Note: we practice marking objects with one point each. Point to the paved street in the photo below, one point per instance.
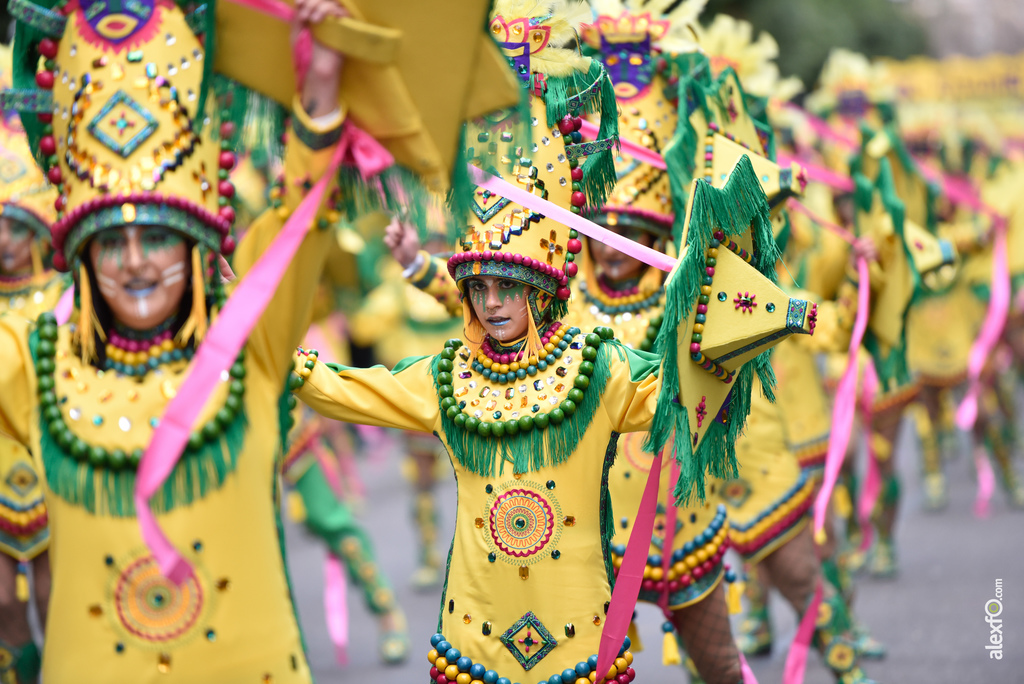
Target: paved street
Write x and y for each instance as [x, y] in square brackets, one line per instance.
[931, 617]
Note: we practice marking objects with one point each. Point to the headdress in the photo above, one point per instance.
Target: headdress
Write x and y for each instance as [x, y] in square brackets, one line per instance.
[25, 194]
[852, 87]
[504, 238]
[637, 44]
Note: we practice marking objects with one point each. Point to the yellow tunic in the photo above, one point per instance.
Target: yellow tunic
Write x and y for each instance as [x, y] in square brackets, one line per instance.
[696, 527]
[113, 617]
[527, 584]
[23, 530]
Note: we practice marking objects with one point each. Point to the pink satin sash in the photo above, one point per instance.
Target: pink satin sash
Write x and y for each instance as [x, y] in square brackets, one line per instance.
[986, 484]
[845, 402]
[796, 660]
[502, 188]
[816, 172]
[631, 574]
[225, 339]
[65, 305]
[873, 477]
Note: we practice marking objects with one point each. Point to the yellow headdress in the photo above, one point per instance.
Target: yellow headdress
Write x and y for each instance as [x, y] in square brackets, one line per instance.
[504, 238]
[636, 42]
[729, 42]
[850, 86]
[25, 194]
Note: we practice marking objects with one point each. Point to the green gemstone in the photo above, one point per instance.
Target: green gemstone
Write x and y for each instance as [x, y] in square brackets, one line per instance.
[233, 403]
[225, 417]
[237, 370]
[581, 382]
[211, 431]
[589, 353]
[195, 440]
[445, 366]
[575, 394]
[44, 366]
[592, 339]
[135, 457]
[556, 416]
[45, 383]
[471, 423]
[79, 449]
[483, 429]
[461, 419]
[568, 407]
[237, 387]
[46, 347]
[445, 390]
[541, 420]
[526, 423]
[511, 427]
[497, 429]
[587, 368]
[605, 332]
[444, 378]
[448, 402]
[447, 354]
[452, 411]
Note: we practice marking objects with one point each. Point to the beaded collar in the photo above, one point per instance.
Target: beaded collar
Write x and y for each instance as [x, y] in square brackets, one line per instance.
[629, 301]
[136, 352]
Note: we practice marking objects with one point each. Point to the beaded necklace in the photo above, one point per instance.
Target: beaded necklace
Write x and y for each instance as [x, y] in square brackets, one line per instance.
[505, 368]
[629, 302]
[134, 353]
[117, 459]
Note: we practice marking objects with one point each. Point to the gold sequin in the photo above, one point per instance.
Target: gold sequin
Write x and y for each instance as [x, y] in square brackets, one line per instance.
[524, 572]
[95, 610]
[133, 395]
[168, 390]
[106, 396]
[223, 583]
[479, 522]
[570, 520]
[467, 618]
[597, 620]
[163, 663]
[82, 387]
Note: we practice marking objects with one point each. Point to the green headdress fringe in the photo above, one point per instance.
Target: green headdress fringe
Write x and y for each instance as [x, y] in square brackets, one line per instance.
[536, 449]
[579, 94]
[739, 206]
[24, 60]
[101, 491]
[890, 363]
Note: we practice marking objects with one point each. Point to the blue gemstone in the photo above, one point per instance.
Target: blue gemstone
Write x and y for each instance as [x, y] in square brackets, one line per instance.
[463, 663]
[436, 639]
[491, 677]
[452, 655]
[582, 669]
[592, 661]
[477, 671]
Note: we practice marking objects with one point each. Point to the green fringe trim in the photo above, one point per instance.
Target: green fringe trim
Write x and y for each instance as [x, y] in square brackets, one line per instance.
[110, 492]
[209, 57]
[24, 59]
[533, 450]
[740, 205]
[579, 94]
[396, 190]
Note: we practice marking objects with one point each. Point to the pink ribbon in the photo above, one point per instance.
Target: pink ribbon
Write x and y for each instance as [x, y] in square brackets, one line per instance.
[802, 208]
[336, 606]
[591, 130]
[224, 340]
[986, 484]
[65, 305]
[748, 674]
[796, 660]
[502, 188]
[818, 173]
[273, 8]
[845, 403]
[631, 574]
[668, 542]
[822, 128]
[364, 152]
[873, 477]
[991, 329]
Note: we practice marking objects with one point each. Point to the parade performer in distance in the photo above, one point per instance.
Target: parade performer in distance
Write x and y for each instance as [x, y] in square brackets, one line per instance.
[28, 287]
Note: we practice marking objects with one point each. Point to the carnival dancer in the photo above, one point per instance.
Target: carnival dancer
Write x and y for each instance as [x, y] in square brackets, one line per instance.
[526, 408]
[121, 93]
[638, 46]
[28, 287]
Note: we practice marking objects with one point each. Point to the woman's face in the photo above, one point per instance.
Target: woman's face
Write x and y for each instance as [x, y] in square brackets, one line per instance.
[141, 272]
[501, 305]
[15, 247]
[613, 264]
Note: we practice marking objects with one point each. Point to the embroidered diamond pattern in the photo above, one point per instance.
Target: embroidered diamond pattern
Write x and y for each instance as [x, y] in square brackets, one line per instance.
[122, 124]
[21, 479]
[528, 640]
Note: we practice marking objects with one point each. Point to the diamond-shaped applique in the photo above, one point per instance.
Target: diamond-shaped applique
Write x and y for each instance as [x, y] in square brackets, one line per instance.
[22, 479]
[481, 198]
[736, 492]
[123, 124]
[528, 640]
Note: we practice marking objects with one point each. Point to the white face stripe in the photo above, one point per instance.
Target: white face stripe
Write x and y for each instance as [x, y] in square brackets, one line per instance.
[173, 269]
[143, 306]
[108, 285]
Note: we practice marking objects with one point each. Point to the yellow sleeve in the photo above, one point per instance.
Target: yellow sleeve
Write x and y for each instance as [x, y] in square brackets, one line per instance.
[17, 396]
[290, 311]
[404, 398]
[434, 279]
[631, 395]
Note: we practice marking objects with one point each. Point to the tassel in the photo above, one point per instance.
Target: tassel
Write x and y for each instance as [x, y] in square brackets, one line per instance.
[37, 258]
[195, 324]
[670, 647]
[88, 324]
[21, 582]
[296, 507]
[735, 593]
[635, 645]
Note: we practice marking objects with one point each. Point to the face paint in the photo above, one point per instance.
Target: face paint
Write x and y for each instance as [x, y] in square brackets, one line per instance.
[15, 247]
[501, 305]
[142, 272]
[613, 264]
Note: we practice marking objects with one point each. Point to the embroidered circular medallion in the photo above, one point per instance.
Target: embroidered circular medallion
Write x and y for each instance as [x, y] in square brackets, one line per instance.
[151, 607]
[522, 522]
